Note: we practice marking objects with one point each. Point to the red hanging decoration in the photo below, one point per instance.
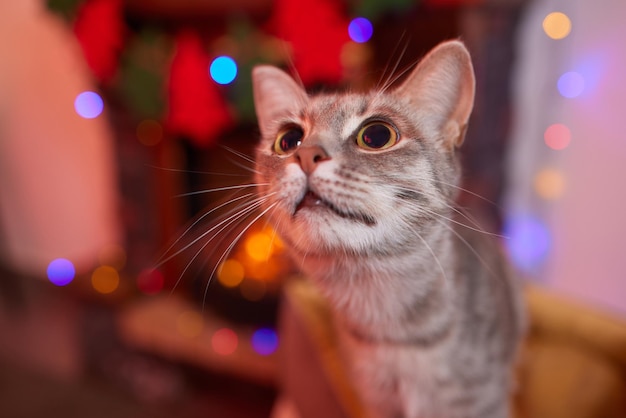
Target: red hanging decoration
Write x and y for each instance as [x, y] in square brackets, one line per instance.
[196, 108]
[317, 31]
[100, 30]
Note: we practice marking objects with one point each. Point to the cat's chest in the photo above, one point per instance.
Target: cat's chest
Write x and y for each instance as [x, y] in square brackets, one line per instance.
[387, 299]
[402, 378]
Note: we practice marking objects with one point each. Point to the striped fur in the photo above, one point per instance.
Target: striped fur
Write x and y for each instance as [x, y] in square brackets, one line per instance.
[429, 318]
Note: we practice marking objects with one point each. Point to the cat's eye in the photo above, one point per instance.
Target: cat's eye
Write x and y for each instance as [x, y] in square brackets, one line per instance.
[288, 139]
[377, 136]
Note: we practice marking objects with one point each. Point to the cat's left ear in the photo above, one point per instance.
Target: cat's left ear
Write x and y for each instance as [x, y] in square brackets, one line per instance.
[443, 86]
[276, 95]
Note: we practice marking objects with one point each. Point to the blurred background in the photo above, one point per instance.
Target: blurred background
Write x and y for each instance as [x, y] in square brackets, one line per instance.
[126, 126]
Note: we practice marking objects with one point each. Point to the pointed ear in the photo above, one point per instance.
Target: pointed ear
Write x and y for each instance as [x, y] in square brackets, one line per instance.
[443, 85]
[276, 94]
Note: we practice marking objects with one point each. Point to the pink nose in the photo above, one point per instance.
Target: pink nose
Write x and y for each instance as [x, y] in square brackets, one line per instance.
[309, 157]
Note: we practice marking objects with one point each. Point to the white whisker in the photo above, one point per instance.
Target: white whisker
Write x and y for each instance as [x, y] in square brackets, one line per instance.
[468, 245]
[197, 221]
[482, 231]
[232, 245]
[430, 250]
[477, 227]
[249, 169]
[239, 154]
[221, 189]
[386, 80]
[228, 219]
[222, 225]
[208, 173]
[466, 191]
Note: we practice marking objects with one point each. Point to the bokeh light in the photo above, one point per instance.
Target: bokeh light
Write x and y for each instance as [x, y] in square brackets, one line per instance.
[265, 341]
[223, 70]
[557, 25]
[105, 279]
[265, 270]
[224, 341]
[549, 183]
[61, 271]
[360, 30]
[571, 84]
[259, 246]
[253, 290]
[528, 242]
[89, 104]
[150, 281]
[557, 136]
[230, 273]
[149, 132]
[190, 324]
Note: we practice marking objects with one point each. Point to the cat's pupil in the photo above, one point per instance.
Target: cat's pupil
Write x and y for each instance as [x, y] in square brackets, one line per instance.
[376, 136]
[291, 139]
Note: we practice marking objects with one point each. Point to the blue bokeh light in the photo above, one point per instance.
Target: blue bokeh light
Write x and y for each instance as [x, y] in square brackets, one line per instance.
[529, 242]
[61, 271]
[223, 70]
[571, 84]
[265, 341]
[360, 30]
[89, 104]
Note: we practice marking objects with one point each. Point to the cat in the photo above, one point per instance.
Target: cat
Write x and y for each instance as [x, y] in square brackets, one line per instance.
[361, 189]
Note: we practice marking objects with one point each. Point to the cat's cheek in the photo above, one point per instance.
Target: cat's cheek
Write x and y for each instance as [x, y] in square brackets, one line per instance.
[291, 187]
[298, 237]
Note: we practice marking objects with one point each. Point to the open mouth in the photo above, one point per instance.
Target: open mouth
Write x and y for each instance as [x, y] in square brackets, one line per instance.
[312, 201]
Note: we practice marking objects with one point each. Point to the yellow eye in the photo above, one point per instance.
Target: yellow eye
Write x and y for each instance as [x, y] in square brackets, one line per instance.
[288, 139]
[377, 136]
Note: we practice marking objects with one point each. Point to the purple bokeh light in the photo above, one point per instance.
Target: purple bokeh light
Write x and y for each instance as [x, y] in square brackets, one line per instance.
[360, 30]
[265, 341]
[61, 271]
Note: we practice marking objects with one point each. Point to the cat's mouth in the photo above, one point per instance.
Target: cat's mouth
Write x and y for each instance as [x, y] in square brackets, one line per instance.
[311, 200]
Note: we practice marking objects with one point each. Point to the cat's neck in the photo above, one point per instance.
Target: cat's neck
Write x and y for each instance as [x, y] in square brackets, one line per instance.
[408, 286]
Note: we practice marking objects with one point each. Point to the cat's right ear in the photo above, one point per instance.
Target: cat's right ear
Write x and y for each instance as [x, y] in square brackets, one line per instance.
[276, 95]
[443, 84]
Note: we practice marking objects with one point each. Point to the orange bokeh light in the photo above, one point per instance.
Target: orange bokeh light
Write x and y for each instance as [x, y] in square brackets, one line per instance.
[557, 25]
[259, 246]
[105, 279]
[549, 183]
[230, 273]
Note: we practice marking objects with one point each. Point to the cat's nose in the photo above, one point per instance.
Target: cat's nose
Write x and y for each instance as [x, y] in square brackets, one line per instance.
[309, 156]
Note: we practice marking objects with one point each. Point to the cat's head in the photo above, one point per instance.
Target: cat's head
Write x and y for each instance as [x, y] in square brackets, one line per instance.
[358, 173]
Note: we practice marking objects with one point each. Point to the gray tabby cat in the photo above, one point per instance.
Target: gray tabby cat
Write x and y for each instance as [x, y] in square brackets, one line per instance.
[360, 187]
